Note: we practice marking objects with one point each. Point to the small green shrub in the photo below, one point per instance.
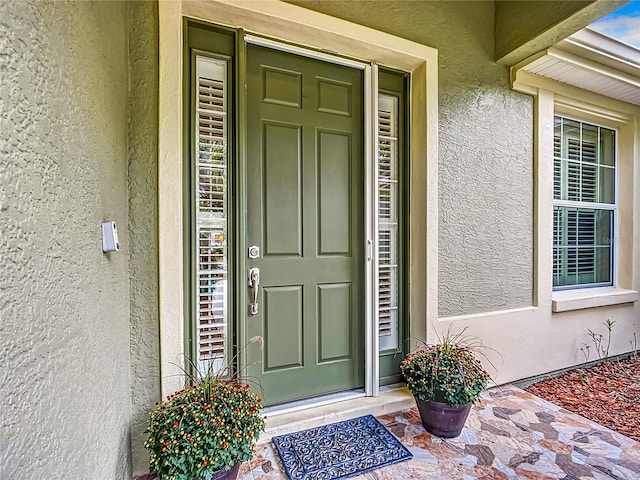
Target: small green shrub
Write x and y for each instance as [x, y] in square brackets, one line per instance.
[445, 372]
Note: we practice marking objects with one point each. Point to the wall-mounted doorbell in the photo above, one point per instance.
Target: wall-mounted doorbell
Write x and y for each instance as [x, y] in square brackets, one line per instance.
[110, 237]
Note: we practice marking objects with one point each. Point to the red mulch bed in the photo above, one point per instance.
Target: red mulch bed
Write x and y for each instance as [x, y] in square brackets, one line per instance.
[608, 394]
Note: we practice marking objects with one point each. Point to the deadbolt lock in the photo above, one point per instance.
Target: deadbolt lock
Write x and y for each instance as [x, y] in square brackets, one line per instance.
[254, 252]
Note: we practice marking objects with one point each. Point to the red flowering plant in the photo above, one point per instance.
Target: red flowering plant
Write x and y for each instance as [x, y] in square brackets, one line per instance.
[208, 426]
[446, 372]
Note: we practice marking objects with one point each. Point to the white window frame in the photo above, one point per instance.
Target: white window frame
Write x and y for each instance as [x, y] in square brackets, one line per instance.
[555, 98]
[612, 207]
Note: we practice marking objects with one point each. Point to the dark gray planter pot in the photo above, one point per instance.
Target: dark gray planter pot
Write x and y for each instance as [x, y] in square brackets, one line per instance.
[442, 420]
[227, 474]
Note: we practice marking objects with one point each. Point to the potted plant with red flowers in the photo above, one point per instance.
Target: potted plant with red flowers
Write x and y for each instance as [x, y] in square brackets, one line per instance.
[446, 379]
[205, 431]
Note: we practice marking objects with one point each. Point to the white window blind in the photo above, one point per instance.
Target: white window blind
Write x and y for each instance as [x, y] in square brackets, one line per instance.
[211, 199]
[584, 204]
[387, 211]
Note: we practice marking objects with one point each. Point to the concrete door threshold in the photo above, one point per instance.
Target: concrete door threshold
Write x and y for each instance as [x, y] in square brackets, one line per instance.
[299, 418]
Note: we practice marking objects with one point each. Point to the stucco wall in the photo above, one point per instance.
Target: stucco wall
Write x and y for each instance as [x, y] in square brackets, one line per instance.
[64, 305]
[143, 221]
[486, 152]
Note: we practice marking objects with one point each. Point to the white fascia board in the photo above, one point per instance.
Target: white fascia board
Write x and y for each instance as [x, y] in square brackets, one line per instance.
[595, 67]
[597, 44]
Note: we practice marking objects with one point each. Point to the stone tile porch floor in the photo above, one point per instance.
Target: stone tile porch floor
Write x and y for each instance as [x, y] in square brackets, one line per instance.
[511, 434]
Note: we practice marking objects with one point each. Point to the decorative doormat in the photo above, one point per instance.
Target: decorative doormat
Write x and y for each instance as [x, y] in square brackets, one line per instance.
[339, 450]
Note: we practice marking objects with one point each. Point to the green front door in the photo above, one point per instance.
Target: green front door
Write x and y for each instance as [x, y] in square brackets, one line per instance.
[305, 192]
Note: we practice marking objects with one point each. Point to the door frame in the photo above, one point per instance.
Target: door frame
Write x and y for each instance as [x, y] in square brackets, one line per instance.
[370, 144]
[295, 25]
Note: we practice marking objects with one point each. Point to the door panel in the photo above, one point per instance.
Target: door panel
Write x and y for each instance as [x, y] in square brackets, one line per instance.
[305, 212]
[282, 191]
[335, 330]
[283, 319]
[334, 97]
[334, 193]
[282, 87]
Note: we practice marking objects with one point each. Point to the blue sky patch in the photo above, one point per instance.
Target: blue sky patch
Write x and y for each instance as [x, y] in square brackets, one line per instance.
[622, 24]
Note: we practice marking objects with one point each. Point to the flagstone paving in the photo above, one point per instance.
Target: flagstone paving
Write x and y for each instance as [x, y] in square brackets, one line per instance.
[511, 434]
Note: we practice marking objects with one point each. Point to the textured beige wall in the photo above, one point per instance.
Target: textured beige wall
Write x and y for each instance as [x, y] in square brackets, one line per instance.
[485, 152]
[64, 305]
[143, 221]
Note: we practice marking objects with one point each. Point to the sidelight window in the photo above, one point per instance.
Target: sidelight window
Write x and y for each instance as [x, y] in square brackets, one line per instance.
[388, 214]
[211, 212]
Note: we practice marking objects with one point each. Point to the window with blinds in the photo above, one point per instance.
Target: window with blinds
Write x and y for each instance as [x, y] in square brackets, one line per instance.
[211, 213]
[387, 212]
[584, 203]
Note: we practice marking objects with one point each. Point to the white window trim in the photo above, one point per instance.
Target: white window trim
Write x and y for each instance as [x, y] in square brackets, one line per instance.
[580, 298]
[613, 207]
[300, 26]
[556, 98]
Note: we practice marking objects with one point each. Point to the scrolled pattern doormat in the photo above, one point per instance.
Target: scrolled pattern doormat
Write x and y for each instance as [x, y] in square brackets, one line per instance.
[339, 450]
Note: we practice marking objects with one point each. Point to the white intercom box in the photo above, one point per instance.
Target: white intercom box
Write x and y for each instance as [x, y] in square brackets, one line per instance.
[110, 237]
